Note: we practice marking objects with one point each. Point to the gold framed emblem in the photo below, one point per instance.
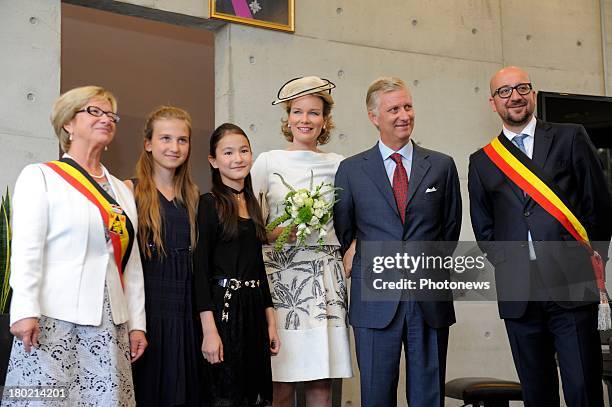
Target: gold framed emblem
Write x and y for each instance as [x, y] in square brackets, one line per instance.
[271, 14]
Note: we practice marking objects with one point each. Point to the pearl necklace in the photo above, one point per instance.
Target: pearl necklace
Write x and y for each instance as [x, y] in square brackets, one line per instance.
[97, 176]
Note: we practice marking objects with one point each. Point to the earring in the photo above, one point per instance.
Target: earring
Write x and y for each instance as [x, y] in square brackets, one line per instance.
[288, 126]
[105, 148]
[70, 137]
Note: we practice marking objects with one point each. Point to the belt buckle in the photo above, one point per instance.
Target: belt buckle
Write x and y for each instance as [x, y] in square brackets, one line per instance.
[234, 284]
[251, 283]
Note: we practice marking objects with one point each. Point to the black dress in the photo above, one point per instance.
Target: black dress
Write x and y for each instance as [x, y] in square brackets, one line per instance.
[244, 378]
[169, 371]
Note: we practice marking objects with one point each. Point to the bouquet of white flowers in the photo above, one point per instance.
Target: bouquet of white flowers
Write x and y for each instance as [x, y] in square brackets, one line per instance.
[307, 209]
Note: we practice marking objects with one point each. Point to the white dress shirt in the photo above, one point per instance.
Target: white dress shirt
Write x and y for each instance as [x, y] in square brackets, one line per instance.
[405, 152]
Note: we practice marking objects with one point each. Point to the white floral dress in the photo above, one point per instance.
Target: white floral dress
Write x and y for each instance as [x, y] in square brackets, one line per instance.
[307, 284]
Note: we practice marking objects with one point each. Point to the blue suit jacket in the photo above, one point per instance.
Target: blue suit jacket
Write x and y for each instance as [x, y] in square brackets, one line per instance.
[366, 211]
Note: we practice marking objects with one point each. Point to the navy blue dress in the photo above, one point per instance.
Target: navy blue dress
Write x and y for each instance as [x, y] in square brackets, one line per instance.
[168, 373]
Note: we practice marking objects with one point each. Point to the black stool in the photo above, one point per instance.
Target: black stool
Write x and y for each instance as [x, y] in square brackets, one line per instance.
[484, 391]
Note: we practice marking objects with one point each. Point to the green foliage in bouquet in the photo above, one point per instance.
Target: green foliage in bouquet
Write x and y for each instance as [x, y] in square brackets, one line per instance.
[305, 209]
[5, 252]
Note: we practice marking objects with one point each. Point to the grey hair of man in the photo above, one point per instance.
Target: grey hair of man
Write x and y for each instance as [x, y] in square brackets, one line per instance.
[380, 85]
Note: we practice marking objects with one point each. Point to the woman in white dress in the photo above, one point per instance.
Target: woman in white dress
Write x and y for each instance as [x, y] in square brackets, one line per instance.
[308, 283]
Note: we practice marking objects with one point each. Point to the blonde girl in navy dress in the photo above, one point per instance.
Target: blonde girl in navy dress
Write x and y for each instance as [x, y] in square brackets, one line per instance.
[169, 372]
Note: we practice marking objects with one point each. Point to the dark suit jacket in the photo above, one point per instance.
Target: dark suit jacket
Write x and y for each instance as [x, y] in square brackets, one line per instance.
[366, 210]
[500, 212]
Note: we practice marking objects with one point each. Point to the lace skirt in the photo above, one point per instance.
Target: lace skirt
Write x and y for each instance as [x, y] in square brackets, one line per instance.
[91, 362]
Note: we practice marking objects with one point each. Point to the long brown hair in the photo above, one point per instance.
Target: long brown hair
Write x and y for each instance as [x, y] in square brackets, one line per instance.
[227, 207]
[147, 199]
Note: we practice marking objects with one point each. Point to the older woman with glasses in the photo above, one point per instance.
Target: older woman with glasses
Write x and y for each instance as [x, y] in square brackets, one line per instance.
[77, 310]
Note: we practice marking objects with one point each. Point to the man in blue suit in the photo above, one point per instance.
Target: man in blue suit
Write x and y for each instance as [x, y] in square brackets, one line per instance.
[397, 191]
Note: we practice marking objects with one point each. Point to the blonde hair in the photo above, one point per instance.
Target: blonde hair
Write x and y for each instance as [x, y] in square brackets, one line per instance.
[328, 104]
[66, 106]
[383, 84]
[147, 199]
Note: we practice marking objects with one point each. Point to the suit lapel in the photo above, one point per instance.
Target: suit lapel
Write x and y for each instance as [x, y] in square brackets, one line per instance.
[374, 168]
[420, 166]
[541, 143]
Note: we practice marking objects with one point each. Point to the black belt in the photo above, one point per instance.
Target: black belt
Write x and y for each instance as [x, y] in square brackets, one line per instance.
[233, 284]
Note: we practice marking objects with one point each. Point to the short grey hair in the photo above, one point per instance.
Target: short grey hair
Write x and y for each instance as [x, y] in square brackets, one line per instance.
[383, 84]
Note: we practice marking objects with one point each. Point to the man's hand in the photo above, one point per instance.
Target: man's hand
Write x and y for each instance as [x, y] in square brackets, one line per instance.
[347, 260]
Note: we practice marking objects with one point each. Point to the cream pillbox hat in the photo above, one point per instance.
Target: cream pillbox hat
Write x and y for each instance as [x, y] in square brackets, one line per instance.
[303, 86]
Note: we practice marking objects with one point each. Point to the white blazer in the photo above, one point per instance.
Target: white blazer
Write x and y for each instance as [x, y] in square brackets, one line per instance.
[60, 260]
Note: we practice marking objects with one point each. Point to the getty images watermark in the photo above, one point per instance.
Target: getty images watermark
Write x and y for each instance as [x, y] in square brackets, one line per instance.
[470, 271]
[406, 263]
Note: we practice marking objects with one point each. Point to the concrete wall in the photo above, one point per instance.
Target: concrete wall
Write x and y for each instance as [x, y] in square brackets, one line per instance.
[446, 51]
[193, 8]
[29, 79]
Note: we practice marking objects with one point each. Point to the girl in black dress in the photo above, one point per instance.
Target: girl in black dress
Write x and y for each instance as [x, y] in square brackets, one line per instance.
[232, 290]
[168, 373]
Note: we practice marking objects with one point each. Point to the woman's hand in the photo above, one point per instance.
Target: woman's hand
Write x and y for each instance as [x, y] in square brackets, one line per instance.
[138, 344]
[275, 342]
[347, 260]
[273, 235]
[212, 347]
[27, 331]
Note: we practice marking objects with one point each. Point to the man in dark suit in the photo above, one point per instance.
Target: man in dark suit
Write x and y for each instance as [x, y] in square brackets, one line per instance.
[397, 191]
[544, 287]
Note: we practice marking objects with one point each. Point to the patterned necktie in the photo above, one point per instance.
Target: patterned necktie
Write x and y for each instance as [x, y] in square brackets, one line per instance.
[519, 140]
[400, 185]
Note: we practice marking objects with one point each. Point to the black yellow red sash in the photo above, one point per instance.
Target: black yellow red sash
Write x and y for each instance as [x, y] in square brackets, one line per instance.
[529, 177]
[119, 226]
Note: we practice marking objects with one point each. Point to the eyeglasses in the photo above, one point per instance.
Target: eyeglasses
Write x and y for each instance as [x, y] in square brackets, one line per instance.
[97, 112]
[506, 91]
